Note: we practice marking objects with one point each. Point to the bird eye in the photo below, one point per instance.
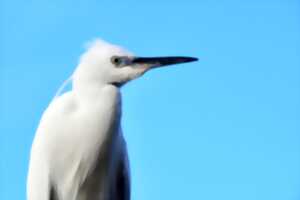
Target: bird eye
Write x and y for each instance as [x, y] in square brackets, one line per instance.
[116, 60]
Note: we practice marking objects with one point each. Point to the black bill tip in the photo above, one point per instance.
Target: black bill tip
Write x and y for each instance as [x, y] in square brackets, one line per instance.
[163, 61]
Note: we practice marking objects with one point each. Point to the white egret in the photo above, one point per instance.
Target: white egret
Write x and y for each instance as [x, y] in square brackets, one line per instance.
[79, 152]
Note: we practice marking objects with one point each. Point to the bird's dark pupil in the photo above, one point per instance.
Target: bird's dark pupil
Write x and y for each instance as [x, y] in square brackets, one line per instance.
[117, 60]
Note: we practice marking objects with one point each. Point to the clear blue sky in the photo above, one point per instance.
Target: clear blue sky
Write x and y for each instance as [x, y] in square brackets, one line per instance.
[226, 127]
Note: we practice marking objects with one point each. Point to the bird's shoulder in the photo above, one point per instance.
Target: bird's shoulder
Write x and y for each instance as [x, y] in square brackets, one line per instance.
[63, 104]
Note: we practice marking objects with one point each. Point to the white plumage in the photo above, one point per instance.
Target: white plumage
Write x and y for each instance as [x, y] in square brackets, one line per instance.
[79, 152]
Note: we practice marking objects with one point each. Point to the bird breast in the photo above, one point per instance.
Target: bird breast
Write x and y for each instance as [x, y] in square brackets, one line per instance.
[76, 134]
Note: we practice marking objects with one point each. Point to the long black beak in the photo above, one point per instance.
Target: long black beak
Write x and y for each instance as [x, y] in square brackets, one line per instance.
[162, 61]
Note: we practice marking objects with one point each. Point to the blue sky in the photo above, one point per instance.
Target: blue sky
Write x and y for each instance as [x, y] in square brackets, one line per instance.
[226, 127]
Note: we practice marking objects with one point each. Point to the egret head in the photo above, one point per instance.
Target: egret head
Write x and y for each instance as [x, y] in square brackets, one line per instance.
[104, 63]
